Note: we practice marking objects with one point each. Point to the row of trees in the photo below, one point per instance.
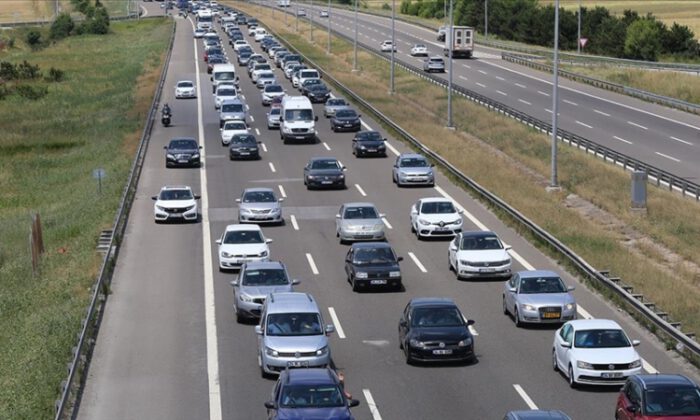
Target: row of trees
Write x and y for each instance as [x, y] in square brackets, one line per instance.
[627, 36]
[96, 20]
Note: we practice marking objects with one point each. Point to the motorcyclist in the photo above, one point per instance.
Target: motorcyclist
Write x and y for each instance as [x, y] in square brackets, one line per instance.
[166, 110]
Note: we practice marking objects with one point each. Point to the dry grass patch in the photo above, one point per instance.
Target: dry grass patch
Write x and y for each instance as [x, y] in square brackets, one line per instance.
[25, 10]
[512, 161]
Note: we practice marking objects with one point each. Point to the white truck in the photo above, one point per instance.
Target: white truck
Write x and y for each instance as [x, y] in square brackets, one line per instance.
[459, 42]
[297, 120]
[282, 3]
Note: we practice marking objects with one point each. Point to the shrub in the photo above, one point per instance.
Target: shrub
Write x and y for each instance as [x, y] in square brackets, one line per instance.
[26, 70]
[643, 41]
[55, 75]
[8, 71]
[31, 92]
[62, 26]
[386, 6]
[33, 38]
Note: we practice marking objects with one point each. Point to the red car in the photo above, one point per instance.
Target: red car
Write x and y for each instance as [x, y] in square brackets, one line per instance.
[661, 396]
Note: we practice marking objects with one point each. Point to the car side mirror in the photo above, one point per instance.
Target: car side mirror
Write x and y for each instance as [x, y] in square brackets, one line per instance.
[234, 283]
[258, 330]
[399, 259]
[218, 241]
[512, 289]
[359, 116]
[315, 117]
[471, 322]
[238, 200]
[200, 147]
[571, 288]
[268, 240]
[632, 408]
[165, 147]
[211, 79]
[402, 322]
[384, 139]
[281, 199]
[432, 165]
[566, 344]
[635, 343]
[353, 403]
[330, 329]
[281, 118]
[382, 215]
[508, 247]
[344, 168]
[295, 282]
[337, 216]
[460, 211]
[155, 197]
[197, 197]
[270, 405]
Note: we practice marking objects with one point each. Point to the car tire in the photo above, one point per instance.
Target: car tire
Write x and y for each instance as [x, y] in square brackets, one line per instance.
[239, 317]
[355, 287]
[572, 382]
[407, 353]
[555, 367]
[449, 263]
[505, 308]
[263, 374]
[516, 318]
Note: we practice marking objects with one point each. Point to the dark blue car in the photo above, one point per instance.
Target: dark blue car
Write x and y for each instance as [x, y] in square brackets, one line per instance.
[311, 393]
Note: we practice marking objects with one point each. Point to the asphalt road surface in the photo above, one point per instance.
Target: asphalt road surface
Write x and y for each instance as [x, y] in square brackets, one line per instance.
[169, 345]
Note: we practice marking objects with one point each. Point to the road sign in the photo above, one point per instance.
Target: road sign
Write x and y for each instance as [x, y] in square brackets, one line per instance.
[583, 42]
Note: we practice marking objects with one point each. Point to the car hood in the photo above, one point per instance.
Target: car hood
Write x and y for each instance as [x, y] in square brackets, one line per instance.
[370, 143]
[182, 151]
[259, 206]
[317, 91]
[231, 133]
[297, 343]
[326, 172]
[609, 355]
[437, 218]
[299, 124]
[377, 267]
[439, 333]
[361, 222]
[262, 291]
[175, 204]
[416, 171]
[484, 255]
[243, 248]
[544, 299]
[325, 413]
[346, 119]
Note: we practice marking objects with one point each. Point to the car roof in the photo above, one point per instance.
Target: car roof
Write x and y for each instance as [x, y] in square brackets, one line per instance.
[184, 81]
[651, 380]
[183, 138]
[258, 189]
[314, 159]
[539, 415]
[589, 324]
[231, 101]
[432, 301]
[175, 187]
[370, 245]
[242, 227]
[359, 204]
[285, 302]
[478, 233]
[537, 273]
[435, 200]
[309, 376]
[261, 265]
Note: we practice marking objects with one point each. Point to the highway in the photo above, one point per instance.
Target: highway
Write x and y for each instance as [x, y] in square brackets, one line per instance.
[169, 345]
[666, 138]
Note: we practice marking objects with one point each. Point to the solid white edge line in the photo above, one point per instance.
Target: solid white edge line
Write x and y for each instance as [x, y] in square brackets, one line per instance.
[215, 410]
[364, 124]
[393, 149]
[469, 216]
[364, 194]
[520, 259]
[336, 322]
[583, 313]
[386, 223]
[283, 193]
[371, 405]
[294, 222]
[312, 264]
[417, 262]
[668, 157]
[272, 167]
[649, 368]
[525, 397]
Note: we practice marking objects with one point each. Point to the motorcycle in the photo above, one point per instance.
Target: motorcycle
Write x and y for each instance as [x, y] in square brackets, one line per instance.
[165, 118]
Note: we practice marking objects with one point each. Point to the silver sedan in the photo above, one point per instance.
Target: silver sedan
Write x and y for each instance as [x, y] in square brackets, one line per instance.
[359, 222]
[413, 169]
[334, 104]
[259, 205]
[538, 296]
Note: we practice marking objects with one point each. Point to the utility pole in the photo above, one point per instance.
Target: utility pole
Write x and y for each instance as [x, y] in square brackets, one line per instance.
[328, 50]
[393, 45]
[354, 58]
[554, 183]
[450, 34]
[486, 19]
[578, 43]
[310, 17]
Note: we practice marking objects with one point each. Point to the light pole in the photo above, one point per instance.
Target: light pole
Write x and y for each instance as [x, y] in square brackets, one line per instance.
[578, 41]
[448, 43]
[354, 58]
[329, 27]
[310, 16]
[393, 45]
[285, 11]
[554, 183]
[297, 13]
[486, 19]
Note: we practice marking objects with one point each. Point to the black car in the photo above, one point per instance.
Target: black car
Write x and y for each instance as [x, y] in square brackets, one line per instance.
[236, 36]
[245, 49]
[346, 120]
[308, 83]
[317, 93]
[316, 393]
[368, 143]
[324, 172]
[373, 264]
[434, 329]
[244, 146]
[182, 152]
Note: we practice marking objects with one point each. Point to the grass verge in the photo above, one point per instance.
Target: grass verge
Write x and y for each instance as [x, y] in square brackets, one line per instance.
[12, 11]
[48, 150]
[512, 161]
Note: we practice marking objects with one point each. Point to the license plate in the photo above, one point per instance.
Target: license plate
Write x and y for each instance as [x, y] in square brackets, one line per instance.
[299, 137]
[554, 315]
[326, 182]
[487, 270]
[442, 351]
[298, 363]
[244, 153]
[441, 229]
[348, 125]
[372, 150]
[182, 161]
[377, 282]
[175, 215]
[612, 375]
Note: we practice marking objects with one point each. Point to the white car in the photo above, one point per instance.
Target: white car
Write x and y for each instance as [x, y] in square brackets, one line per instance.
[260, 69]
[259, 35]
[419, 49]
[185, 89]
[199, 33]
[596, 352]
[175, 203]
[387, 46]
[305, 75]
[224, 92]
[479, 254]
[240, 43]
[240, 244]
[301, 12]
[323, 13]
[251, 30]
[231, 128]
[435, 216]
[270, 92]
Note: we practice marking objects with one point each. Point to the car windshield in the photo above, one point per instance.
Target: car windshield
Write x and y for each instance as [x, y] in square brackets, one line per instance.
[598, 339]
[374, 256]
[235, 125]
[265, 277]
[325, 164]
[275, 111]
[436, 317]
[369, 136]
[246, 139]
[245, 54]
[294, 324]
[176, 195]
[360, 213]
[185, 84]
[531, 285]
[225, 75]
[243, 237]
[259, 197]
[413, 163]
[346, 113]
[436, 60]
[226, 92]
[437, 207]
[183, 144]
[337, 102]
[299, 115]
[480, 243]
[232, 108]
[263, 67]
[274, 89]
[311, 82]
[311, 396]
[671, 400]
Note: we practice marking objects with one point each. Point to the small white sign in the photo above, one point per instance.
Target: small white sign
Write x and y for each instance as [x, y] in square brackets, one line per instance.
[583, 42]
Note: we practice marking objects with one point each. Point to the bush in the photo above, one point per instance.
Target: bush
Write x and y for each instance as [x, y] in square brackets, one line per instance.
[31, 92]
[8, 71]
[33, 38]
[55, 75]
[386, 6]
[28, 71]
[62, 26]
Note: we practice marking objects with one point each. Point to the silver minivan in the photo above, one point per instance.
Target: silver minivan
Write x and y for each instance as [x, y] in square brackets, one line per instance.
[291, 334]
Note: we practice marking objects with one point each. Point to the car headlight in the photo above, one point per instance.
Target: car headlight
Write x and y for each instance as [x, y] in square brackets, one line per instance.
[415, 343]
[341, 176]
[423, 222]
[311, 177]
[465, 262]
[378, 226]
[245, 298]
[170, 156]
[195, 156]
[160, 208]
[464, 343]
[188, 208]
[276, 210]
[363, 148]
[245, 211]
[458, 222]
[584, 365]
[394, 274]
[529, 307]
[322, 351]
[263, 254]
[271, 352]
[361, 275]
[226, 254]
[637, 363]
[569, 306]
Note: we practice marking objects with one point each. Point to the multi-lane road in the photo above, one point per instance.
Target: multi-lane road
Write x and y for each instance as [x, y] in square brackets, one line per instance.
[666, 138]
[169, 344]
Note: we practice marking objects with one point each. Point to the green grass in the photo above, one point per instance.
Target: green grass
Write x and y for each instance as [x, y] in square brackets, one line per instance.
[48, 150]
[32, 10]
[512, 161]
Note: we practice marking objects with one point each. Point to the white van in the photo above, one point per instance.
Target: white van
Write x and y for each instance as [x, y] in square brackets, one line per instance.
[205, 20]
[259, 34]
[297, 120]
[223, 73]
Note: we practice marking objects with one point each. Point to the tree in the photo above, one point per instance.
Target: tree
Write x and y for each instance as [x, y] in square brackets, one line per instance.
[33, 38]
[643, 40]
[62, 26]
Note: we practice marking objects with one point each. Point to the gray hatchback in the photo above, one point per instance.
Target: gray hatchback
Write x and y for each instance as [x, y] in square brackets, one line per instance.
[434, 64]
[255, 281]
[413, 169]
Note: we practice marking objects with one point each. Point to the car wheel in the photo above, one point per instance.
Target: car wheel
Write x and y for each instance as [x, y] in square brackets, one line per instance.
[413, 229]
[407, 353]
[355, 287]
[516, 318]
[449, 263]
[505, 308]
[263, 374]
[555, 367]
[572, 381]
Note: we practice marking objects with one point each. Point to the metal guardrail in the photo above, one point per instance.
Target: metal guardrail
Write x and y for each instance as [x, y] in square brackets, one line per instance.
[530, 61]
[93, 316]
[657, 319]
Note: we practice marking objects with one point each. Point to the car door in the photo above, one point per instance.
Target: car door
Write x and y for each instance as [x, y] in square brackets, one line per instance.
[414, 214]
[453, 249]
[631, 397]
[565, 334]
[510, 295]
[404, 323]
[395, 169]
[306, 170]
[339, 220]
[272, 412]
[349, 269]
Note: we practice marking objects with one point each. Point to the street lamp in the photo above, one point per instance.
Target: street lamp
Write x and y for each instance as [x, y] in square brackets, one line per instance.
[486, 19]
[393, 45]
[354, 58]
[450, 33]
[310, 16]
[554, 183]
[329, 27]
[297, 13]
[578, 43]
